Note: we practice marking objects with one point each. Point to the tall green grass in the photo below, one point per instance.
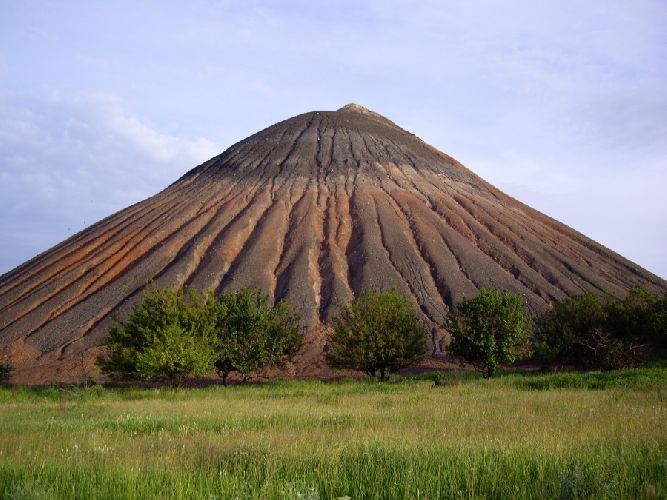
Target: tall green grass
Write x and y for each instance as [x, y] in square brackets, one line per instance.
[601, 435]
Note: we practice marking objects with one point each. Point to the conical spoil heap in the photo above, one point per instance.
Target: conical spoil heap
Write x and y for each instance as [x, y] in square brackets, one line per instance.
[312, 209]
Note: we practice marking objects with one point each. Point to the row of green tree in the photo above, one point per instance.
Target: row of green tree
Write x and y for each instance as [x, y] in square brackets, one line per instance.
[603, 332]
[176, 333]
[587, 331]
[173, 334]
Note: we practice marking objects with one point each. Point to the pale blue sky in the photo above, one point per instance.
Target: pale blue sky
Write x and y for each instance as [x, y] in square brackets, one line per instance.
[561, 104]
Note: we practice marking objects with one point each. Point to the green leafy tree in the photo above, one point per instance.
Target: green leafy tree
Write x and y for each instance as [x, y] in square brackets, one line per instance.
[252, 334]
[377, 333]
[641, 317]
[489, 329]
[169, 335]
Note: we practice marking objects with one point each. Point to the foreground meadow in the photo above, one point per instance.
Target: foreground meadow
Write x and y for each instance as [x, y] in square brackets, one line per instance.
[518, 436]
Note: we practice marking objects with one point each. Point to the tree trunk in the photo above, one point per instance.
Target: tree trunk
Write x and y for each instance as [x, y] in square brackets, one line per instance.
[488, 372]
[382, 374]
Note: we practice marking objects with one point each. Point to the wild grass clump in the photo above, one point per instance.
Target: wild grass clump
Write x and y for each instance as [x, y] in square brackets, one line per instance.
[634, 379]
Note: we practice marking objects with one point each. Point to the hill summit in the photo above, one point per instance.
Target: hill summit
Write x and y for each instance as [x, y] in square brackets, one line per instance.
[312, 209]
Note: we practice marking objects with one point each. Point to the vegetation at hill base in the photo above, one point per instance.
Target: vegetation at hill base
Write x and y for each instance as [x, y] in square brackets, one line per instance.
[253, 334]
[518, 435]
[5, 371]
[377, 333]
[172, 334]
[592, 331]
[588, 331]
[489, 329]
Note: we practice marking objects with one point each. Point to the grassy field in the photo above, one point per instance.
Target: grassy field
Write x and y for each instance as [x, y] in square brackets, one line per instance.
[518, 436]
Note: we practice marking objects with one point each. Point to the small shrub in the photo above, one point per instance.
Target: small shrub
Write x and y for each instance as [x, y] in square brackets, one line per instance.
[377, 333]
[5, 371]
[574, 484]
[440, 379]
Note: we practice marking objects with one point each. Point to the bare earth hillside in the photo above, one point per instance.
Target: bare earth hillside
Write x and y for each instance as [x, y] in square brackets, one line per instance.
[311, 209]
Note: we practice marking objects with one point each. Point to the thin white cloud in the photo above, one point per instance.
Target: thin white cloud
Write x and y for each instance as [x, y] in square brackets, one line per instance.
[153, 144]
[69, 161]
